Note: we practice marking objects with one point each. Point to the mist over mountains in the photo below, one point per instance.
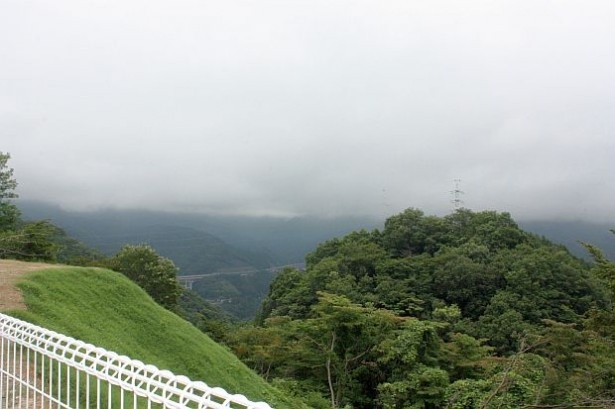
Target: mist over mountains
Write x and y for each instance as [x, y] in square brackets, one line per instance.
[200, 243]
[573, 233]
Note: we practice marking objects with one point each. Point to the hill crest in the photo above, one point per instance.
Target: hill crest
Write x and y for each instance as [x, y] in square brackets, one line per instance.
[106, 309]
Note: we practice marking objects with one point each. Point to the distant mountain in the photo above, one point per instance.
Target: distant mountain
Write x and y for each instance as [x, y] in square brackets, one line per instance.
[278, 240]
[192, 250]
[572, 233]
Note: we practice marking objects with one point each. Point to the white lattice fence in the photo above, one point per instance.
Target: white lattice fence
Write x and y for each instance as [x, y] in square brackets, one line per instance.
[41, 369]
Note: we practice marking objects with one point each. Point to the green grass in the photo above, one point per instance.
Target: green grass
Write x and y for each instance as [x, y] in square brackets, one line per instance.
[106, 309]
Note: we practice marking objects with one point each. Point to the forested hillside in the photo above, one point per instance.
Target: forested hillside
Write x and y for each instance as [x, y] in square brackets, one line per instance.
[462, 311]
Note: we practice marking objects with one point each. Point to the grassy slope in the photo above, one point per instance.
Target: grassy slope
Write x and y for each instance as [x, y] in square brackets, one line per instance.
[106, 309]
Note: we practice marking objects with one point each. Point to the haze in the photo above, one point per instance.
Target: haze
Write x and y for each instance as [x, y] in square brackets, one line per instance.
[311, 107]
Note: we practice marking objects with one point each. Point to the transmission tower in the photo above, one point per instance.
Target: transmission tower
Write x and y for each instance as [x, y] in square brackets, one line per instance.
[456, 194]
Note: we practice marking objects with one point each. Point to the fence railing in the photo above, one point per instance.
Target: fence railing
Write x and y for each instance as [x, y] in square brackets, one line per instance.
[41, 369]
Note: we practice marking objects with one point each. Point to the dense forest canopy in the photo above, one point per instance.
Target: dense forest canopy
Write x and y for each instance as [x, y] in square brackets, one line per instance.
[461, 311]
[476, 261]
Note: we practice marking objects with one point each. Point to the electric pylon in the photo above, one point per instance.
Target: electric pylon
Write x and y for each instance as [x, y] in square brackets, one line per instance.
[456, 194]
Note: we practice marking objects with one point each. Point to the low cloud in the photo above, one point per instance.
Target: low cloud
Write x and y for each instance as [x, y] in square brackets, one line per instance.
[284, 108]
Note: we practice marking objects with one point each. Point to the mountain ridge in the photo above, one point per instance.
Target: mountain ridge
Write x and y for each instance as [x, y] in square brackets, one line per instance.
[283, 240]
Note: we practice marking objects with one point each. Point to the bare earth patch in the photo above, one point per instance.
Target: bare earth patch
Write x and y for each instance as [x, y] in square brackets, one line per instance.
[10, 273]
[14, 395]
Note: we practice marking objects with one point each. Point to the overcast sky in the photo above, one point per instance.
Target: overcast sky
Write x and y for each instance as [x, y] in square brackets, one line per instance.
[323, 107]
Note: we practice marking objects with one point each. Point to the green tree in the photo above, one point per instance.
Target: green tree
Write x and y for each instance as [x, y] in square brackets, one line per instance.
[31, 241]
[18, 239]
[502, 324]
[289, 295]
[600, 335]
[604, 269]
[552, 284]
[466, 281]
[9, 213]
[341, 338]
[157, 275]
[265, 349]
[413, 357]
[492, 229]
[411, 233]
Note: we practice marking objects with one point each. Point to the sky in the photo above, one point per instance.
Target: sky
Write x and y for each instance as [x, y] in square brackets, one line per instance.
[312, 107]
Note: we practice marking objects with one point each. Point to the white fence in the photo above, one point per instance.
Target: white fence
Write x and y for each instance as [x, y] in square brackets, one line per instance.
[41, 369]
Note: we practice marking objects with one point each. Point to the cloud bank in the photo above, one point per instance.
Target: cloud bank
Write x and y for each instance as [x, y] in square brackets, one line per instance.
[311, 107]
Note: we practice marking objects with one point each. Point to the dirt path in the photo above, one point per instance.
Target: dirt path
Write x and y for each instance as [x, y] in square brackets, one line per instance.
[10, 273]
[14, 394]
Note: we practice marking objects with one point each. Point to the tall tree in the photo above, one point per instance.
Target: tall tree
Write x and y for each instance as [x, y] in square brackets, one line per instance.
[412, 356]
[341, 337]
[19, 239]
[9, 213]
